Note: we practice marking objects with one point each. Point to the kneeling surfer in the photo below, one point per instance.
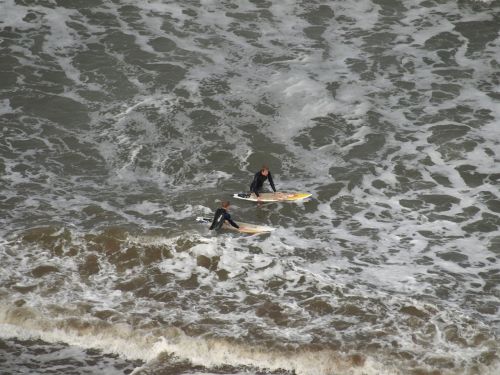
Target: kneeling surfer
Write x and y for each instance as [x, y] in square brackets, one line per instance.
[258, 180]
[221, 215]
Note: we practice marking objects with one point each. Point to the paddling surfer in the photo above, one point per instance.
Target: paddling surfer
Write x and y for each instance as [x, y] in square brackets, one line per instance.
[221, 216]
[258, 181]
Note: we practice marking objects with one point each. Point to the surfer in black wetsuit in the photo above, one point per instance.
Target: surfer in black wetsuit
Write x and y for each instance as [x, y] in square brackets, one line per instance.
[221, 215]
[258, 180]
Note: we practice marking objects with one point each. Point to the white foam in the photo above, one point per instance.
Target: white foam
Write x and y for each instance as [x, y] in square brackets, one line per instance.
[12, 16]
[5, 107]
[362, 241]
[209, 353]
[118, 341]
[136, 344]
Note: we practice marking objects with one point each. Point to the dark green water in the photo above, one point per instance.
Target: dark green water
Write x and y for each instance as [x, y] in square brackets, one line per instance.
[122, 121]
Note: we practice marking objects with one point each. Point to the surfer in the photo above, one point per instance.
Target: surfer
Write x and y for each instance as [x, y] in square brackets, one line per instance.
[259, 179]
[221, 215]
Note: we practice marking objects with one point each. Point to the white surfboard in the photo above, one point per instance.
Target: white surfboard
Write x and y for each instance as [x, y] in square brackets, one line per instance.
[244, 227]
[273, 197]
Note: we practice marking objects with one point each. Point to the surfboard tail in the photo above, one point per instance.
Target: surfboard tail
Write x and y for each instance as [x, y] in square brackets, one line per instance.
[204, 220]
[242, 195]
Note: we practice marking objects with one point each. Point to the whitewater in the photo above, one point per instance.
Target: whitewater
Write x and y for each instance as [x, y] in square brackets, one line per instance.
[122, 121]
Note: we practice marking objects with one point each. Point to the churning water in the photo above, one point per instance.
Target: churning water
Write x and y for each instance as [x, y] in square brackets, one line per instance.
[121, 121]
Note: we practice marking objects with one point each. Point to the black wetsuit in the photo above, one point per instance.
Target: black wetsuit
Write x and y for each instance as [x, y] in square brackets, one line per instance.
[220, 216]
[258, 181]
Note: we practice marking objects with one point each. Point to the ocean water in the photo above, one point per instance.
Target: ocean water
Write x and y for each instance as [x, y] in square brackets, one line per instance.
[121, 121]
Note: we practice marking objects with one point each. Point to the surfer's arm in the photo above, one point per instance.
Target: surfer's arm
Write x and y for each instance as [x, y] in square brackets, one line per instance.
[230, 221]
[271, 182]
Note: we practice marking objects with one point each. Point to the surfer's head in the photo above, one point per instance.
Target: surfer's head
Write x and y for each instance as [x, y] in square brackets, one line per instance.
[264, 170]
[225, 204]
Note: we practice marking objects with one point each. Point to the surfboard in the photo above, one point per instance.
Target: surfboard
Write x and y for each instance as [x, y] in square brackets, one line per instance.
[244, 227]
[273, 197]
